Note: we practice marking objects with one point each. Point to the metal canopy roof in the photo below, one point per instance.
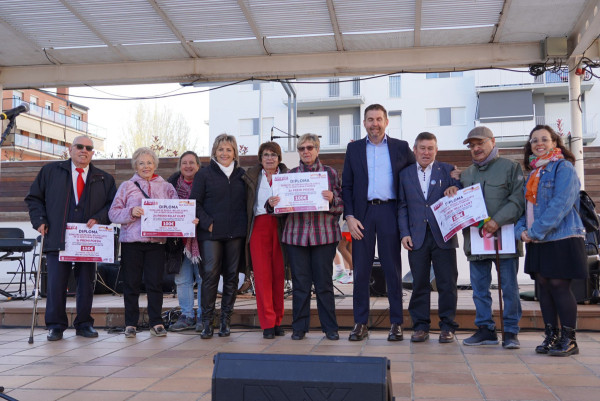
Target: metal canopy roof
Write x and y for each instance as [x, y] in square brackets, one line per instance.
[72, 42]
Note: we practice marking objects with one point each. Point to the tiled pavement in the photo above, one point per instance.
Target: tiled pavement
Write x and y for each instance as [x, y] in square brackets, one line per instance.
[180, 365]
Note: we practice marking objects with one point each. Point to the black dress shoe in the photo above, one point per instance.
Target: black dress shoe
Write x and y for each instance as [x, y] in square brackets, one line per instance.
[332, 335]
[298, 335]
[86, 331]
[359, 332]
[55, 335]
[279, 331]
[395, 333]
[269, 334]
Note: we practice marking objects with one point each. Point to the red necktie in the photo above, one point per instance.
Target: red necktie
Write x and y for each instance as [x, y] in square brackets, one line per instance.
[80, 183]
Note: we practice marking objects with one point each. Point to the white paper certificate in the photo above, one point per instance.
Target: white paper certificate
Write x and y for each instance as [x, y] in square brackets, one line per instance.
[301, 192]
[485, 245]
[83, 244]
[462, 210]
[168, 218]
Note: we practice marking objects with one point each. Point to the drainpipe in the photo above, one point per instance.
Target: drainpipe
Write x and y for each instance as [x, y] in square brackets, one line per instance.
[292, 113]
[576, 118]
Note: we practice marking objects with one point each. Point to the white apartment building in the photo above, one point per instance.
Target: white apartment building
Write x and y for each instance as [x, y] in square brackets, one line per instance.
[447, 104]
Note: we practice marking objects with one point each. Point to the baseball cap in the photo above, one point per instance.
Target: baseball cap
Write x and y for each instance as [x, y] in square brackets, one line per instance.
[480, 132]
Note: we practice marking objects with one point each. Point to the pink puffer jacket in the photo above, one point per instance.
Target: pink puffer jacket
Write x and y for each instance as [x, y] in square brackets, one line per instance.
[128, 196]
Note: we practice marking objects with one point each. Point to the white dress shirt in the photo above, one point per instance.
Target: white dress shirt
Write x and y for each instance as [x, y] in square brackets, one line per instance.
[424, 176]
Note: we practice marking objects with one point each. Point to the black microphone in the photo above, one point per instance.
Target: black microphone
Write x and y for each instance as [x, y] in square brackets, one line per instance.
[8, 114]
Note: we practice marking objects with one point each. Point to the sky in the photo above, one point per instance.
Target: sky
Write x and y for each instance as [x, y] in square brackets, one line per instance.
[113, 115]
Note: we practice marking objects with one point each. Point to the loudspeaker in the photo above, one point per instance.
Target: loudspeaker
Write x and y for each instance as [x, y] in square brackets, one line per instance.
[377, 285]
[407, 280]
[109, 276]
[257, 377]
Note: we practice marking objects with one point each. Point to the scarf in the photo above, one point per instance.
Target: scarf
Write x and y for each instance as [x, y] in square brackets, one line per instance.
[191, 249]
[226, 170]
[493, 154]
[538, 163]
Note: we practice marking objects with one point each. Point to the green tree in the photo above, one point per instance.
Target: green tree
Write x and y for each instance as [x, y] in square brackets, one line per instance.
[163, 130]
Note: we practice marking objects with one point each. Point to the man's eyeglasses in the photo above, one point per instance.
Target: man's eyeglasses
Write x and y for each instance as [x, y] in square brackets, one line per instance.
[81, 147]
[543, 140]
[474, 145]
[310, 148]
[269, 155]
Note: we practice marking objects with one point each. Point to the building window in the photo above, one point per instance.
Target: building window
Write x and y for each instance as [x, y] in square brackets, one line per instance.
[356, 86]
[432, 75]
[445, 116]
[33, 100]
[395, 89]
[48, 105]
[248, 126]
[334, 87]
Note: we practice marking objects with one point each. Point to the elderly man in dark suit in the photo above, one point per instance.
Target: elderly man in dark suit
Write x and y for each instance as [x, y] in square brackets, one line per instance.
[369, 191]
[421, 185]
[69, 191]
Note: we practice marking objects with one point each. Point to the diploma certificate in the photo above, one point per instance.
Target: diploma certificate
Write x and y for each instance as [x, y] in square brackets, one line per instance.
[168, 218]
[301, 192]
[83, 244]
[453, 214]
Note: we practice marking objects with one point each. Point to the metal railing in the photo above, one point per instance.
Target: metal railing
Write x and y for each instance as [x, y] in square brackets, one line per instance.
[38, 145]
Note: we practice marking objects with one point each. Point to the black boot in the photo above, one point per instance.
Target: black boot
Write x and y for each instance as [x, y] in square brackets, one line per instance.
[224, 330]
[207, 331]
[566, 344]
[549, 341]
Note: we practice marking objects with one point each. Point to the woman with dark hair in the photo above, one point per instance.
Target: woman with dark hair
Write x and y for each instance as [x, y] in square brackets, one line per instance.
[187, 167]
[311, 239]
[263, 243]
[554, 236]
[220, 194]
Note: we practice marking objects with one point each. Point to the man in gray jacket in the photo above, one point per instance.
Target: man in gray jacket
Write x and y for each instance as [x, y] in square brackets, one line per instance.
[502, 184]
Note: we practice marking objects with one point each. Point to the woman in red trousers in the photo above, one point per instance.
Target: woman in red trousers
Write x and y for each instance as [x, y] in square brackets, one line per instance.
[263, 244]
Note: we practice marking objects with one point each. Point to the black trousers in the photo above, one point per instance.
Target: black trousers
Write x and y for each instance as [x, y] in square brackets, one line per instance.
[56, 301]
[446, 274]
[312, 265]
[220, 257]
[147, 260]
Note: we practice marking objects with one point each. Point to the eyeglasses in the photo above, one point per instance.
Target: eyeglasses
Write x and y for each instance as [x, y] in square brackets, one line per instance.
[81, 147]
[269, 155]
[310, 148]
[474, 145]
[543, 140]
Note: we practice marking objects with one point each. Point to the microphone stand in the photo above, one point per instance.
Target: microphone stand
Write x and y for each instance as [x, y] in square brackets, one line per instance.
[11, 124]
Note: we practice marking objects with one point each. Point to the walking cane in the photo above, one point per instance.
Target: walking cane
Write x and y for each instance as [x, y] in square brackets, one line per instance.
[36, 289]
[497, 247]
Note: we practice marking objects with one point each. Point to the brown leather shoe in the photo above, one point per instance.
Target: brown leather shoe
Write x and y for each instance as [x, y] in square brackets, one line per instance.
[419, 336]
[359, 332]
[395, 333]
[446, 336]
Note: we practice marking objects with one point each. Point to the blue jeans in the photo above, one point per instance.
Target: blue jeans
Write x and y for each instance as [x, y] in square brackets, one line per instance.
[481, 278]
[188, 274]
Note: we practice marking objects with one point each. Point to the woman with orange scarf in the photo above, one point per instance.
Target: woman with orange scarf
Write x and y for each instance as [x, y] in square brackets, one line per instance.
[554, 236]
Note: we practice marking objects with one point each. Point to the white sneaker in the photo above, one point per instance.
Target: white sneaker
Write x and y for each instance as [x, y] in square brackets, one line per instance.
[347, 279]
[338, 273]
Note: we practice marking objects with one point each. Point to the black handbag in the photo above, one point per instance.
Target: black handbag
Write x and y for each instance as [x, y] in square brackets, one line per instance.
[587, 212]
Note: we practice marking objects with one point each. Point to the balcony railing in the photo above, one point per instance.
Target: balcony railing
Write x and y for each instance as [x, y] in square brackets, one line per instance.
[38, 145]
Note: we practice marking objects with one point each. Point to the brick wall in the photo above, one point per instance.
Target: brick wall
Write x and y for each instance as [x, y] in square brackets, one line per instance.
[16, 177]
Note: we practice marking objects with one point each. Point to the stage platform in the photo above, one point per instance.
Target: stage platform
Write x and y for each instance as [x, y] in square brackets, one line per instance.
[108, 311]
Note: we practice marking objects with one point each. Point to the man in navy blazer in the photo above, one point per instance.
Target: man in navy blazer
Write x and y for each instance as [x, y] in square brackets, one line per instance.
[421, 185]
[369, 191]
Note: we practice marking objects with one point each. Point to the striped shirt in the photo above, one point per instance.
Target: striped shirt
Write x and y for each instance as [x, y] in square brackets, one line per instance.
[316, 228]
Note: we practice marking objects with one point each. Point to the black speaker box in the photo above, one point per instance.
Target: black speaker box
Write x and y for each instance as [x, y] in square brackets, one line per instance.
[268, 377]
[407, 280]
[377, 285]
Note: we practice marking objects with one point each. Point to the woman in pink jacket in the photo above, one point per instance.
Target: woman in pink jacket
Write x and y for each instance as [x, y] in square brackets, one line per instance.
[141, 255]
